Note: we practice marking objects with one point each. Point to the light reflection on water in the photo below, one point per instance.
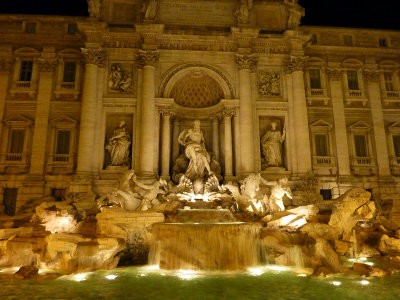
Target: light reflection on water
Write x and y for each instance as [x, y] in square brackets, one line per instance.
[151, 283]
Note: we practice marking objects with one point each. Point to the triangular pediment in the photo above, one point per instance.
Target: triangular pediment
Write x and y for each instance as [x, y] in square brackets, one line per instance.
[395, 125]
[360, 125]
[18, 119]
[321, 123]
[63, 118]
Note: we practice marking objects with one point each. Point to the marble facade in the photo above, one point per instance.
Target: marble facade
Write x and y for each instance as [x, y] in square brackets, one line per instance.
[336, 91]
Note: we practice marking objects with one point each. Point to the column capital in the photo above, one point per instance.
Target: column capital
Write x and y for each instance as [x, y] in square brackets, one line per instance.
[96, 57]
[246, 61]
[228, 113]
[215, 116]
[296, 63]
[335, 74]
[5, 64]
[372, 75]
[148, 58]
[46, 65]
[165, 112]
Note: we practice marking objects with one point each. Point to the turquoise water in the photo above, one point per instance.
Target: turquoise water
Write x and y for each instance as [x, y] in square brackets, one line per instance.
[144, 283]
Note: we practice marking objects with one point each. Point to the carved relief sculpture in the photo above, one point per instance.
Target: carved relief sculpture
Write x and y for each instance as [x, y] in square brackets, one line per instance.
[271, 145]
[279, 189]
[149, 10]
[118, 146]
[120, 79]
[269, 83]
[94, 7]
[296, 12]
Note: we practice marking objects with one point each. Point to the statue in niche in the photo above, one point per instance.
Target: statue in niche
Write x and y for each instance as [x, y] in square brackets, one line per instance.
[149, 10]
[94, 7]
[118, 146]
[271, 145]
[242, 13]
[269, 83]
[296, 12]
[195, 150]
[120, 80]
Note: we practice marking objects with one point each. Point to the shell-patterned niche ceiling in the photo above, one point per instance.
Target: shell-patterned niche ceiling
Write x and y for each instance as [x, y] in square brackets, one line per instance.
[197, 90]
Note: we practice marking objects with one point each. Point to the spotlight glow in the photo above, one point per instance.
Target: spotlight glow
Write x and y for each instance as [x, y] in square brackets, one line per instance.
[111, 277]
[80, 277]
[277, 268]
[302, 275]
[364, 282]
[186, 274]
[256, 271]
[336, 283]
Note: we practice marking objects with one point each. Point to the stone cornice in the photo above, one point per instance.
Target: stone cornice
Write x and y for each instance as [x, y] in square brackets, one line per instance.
[94, 56]
[246, 61]
[148, 58]
[46, 65]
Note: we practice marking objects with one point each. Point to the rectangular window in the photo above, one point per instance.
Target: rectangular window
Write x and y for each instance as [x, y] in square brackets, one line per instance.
[383, 42]
[10, 201]
[326, 194]
[30, 27]
[396, 145]
[69, 71]
[388, 81]
[72, 28]
[360, 143]
[17, 139]
[352, 80]
[25, 73]
[348, 40]
[315, 79]
[321, 144]
[63, 141]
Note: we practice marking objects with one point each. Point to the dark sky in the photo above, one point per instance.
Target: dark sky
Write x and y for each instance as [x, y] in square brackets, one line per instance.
[346, 13]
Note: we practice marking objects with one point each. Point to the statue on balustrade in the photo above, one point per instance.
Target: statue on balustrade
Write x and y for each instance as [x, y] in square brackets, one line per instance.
[196, 162]
[271, 145]
[149, 10]
[94, 7]
[296, 12]
[118, 146]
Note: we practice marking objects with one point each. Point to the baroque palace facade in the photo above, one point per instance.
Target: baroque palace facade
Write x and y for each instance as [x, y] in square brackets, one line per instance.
[272, 97]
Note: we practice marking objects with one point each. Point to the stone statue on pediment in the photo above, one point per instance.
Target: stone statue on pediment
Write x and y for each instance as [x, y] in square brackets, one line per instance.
[149, 10]
[296, 12]
[242, 13]
[94, 7]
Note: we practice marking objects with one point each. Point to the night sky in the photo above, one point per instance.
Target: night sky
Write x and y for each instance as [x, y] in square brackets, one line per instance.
[383, 14]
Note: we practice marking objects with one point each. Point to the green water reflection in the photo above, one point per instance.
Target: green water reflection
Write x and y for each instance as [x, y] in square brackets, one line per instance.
[142, 283]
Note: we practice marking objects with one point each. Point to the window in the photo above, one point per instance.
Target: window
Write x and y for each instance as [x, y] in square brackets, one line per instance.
[10, 201]
[321, 144]
[348, 40]
[72, 28]
[383, 42]
[396, 145]
[326, 194]
[25, 73]
[360, 143]
[315, 79]
[30, 27]
[388, 77]
[69, 71]
[58, 194]
[17, 141]
[63, 141]
[352, 80]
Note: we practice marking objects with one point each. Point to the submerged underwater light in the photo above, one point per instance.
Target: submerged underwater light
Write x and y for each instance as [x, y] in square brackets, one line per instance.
[364, 282]
[256, 271]
[186, 274]
[336, 283]
[111, 277]
[80, 277]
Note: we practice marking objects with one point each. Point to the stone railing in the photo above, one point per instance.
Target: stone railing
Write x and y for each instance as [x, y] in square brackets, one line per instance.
[23, 84]
[69, 86]
[391, 94]
[23, 87]
[14, 158]
[395, 165]
[317, 95]
[363, 165]
[60, 163]
[355, 96]
[324, 161]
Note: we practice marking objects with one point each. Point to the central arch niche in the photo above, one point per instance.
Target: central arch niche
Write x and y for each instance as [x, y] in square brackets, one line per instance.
[197, 90]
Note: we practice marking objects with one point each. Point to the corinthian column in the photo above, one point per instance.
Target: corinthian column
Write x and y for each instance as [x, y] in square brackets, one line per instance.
[342, 147]
[228, 144]
[246, 63]
[165, 144]
[46, 69]
[302, 136]
[5, 67]
[215, 137]
[378, 122]
[93, 58]
[148, 60]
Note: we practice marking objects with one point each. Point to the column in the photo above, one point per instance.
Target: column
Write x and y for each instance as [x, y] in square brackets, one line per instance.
[215, 137]
[39, 142]
[245, 64]
[5, 67]
[228, 144]
[342, 146]
[98, 140]
[382, 156]
[236, 128]
[175, 135]
[93, 58]
[165, 144]
[146, 151]
[302, 135]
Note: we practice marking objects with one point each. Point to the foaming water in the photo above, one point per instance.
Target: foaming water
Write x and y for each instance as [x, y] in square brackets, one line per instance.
[220, 246]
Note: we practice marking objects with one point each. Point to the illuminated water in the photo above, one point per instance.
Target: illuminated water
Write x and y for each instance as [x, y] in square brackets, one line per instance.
[142, 283]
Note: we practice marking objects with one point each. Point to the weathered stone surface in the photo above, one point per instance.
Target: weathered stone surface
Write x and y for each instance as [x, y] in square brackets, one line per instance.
[388, 245]
[26, 272]
[342, 247]
[319, 230]
[56, 216]
[362, 269]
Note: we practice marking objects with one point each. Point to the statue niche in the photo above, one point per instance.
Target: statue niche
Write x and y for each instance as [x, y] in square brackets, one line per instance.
[271, 146]
[195, 163]
[118, 146]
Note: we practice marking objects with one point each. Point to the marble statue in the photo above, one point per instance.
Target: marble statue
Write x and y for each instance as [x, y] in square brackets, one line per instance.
[242, 13]
[149, 10]
[199, 159]
[269, 84]
[120, 80]
[296, 12]
[118, 146]
[94, 7]
[271, 144]
[279, 189]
